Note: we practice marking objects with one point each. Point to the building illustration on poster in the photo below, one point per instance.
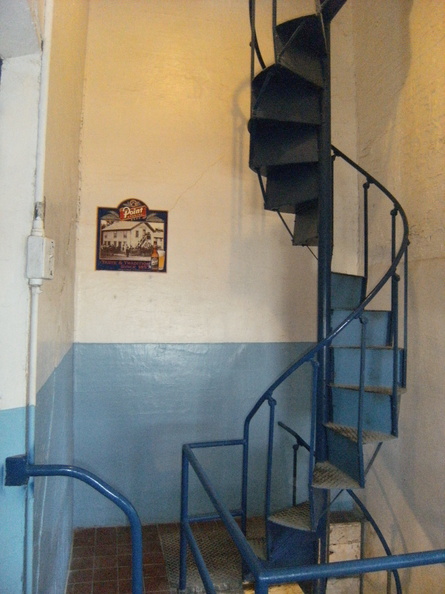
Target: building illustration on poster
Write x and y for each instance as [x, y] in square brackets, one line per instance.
[131, 237]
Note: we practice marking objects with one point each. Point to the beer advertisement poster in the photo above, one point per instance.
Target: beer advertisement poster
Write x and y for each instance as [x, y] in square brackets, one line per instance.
[131, 237]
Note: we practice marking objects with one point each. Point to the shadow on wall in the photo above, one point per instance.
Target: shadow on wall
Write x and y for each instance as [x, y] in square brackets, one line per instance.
[260, 233]
[382, 49]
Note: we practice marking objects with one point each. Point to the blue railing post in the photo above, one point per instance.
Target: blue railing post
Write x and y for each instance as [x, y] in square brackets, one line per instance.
[405, 317]
[272, 402]
[184, 520]
[363, 322]
[295, 448]
[396, 354]
[366, 186]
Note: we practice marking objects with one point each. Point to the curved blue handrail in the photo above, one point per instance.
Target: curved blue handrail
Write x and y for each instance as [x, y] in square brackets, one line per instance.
[390, 272]
[379, 533]
[18, 470]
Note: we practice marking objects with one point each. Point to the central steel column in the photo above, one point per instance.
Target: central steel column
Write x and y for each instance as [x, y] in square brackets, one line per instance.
[325, 243]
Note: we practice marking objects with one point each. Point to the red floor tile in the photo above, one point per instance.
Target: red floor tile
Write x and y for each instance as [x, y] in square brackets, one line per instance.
[78, 576]
[101, 561]
[79, 589]
[105, 588]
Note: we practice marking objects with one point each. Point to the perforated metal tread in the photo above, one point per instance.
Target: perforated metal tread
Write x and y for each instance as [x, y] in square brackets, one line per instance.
[351, 433]
[258, 546]
[328, 476]
[370, 389]
[298, 516]
[371, 347]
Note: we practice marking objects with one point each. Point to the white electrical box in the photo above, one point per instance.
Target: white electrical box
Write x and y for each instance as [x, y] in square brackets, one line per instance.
[40, 261]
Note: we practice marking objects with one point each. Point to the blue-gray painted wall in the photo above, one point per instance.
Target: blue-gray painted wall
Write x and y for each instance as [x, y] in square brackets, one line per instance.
[137, 404]
[53, 496]
[123, 411]
[12, 504]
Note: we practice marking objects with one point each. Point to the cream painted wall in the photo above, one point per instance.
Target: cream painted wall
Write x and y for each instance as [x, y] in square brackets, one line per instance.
[400, 49]
[61, 179]
[19, 98]
[347, 200]
[165, 121]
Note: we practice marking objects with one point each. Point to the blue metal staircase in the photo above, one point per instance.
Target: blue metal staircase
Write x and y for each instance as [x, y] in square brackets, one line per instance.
[360, 369]
[359, 361]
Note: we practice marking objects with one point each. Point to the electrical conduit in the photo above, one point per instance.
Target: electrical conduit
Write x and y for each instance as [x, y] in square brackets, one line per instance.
[37, 230]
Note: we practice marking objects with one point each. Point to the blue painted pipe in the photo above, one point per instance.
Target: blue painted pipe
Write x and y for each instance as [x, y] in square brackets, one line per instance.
[349, 568]
[18, 470]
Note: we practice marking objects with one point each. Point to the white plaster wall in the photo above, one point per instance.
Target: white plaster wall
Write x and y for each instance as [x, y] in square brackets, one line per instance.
[19, 28]
[19, 94]
[61, 179]
[19, 99]
[400, 49]
[165, 121]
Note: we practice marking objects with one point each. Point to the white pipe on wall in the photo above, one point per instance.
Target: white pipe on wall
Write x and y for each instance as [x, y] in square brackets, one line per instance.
[38, 229]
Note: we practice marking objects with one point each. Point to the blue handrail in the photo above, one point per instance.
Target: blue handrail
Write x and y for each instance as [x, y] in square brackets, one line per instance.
[18, 470]
[391, 273]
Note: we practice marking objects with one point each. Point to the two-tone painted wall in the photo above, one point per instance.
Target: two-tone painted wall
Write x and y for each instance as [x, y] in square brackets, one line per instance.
[165, 359]
[40, 109]
[54, 441]
[19, 95]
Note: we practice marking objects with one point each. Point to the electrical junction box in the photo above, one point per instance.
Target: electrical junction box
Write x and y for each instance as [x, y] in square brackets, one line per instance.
[40, 260]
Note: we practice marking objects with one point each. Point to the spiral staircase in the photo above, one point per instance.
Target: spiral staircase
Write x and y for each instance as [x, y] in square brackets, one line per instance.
[360, 369]
[358, 365]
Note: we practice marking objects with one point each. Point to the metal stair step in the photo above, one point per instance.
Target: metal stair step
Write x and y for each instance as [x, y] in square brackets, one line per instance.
[346, 291]
[379, 407]
[378, 368]
[377, 328]
[298, 517]
[351, 433]
[373, 389]
[300, 45]
[306, 228]
[292, 188]
[370, 389]
[328, 476]
[259, 547]
[330, 8]
[280, 94]
[275, 143]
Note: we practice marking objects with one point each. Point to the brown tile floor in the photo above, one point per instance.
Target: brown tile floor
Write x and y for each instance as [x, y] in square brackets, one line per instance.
[101, 562]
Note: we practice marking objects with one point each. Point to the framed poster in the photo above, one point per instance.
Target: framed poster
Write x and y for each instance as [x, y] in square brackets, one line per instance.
[131, 237]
